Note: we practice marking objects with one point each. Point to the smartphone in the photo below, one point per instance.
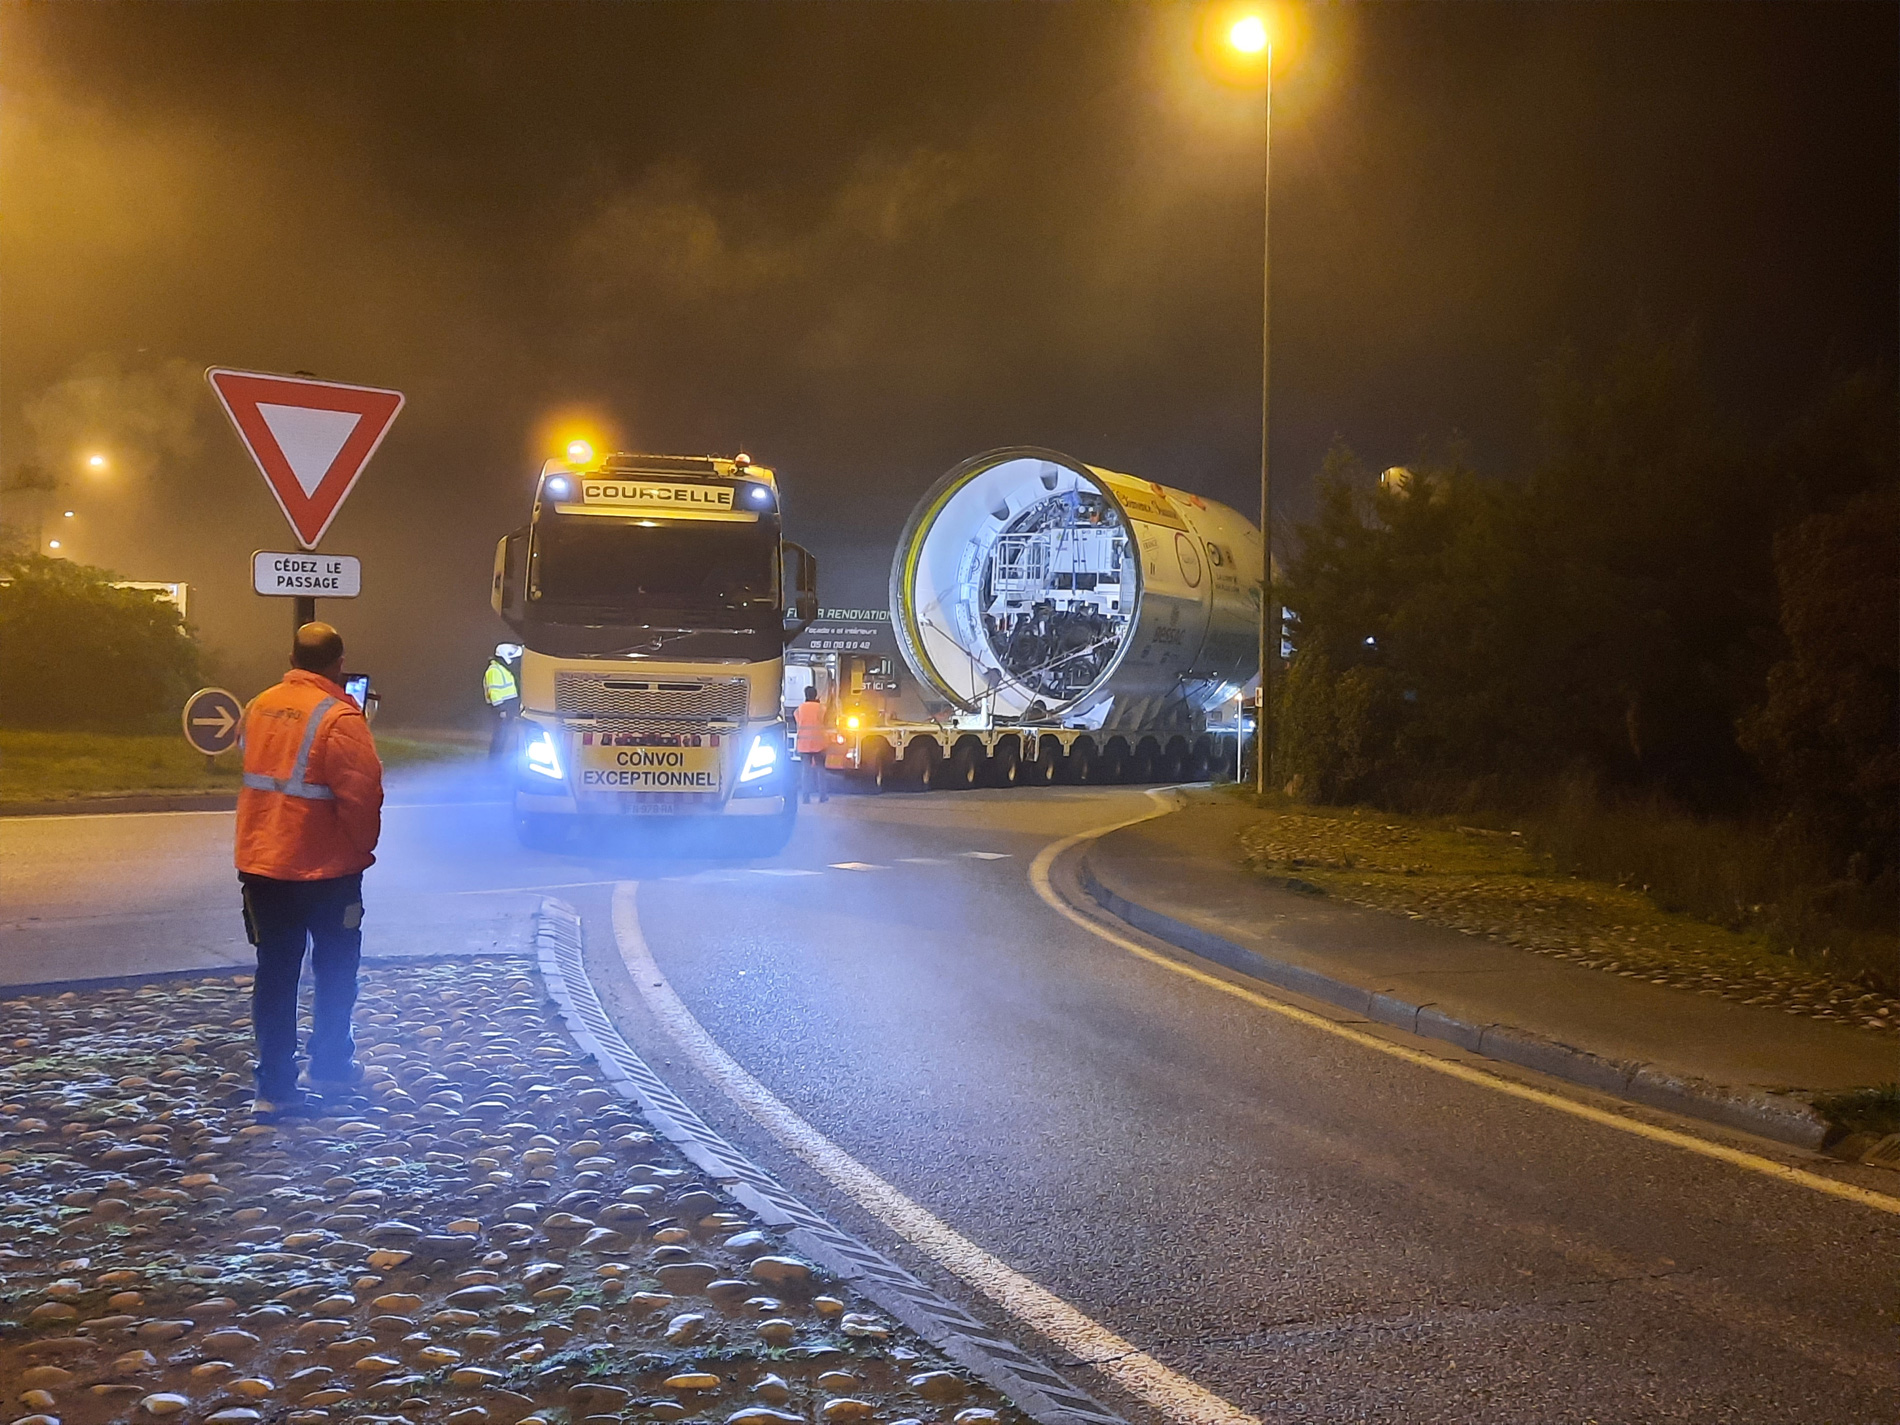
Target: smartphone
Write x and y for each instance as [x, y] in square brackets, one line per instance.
[357, 686]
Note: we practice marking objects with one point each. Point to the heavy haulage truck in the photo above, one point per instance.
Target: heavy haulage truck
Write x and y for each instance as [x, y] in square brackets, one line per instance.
[1075, 625]
[653, 596]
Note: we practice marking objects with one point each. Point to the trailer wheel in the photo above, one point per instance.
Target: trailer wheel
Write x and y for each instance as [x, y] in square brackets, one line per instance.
[1004, 767]
[1042, 771]
[917, 772]
[1081, 767]
[1201, 764]
[881, 772]
[1172, 764]
[958, 774]
[1111, 765]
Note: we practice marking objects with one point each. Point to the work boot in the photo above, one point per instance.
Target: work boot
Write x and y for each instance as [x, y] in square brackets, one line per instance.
[278, 1110]
[336, 1084]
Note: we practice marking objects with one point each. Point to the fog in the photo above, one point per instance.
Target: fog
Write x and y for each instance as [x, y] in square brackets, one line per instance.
[862, 242]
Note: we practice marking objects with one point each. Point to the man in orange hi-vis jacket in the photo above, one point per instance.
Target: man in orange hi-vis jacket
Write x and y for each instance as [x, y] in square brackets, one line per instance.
[810, 746]
[308, 817]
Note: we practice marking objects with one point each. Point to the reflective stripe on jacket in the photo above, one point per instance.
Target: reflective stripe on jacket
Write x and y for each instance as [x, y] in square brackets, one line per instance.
[498, 684]
[311, 806]
[811, 727]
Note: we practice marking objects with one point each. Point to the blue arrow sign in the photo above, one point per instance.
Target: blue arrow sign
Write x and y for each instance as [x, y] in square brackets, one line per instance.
[213, 719]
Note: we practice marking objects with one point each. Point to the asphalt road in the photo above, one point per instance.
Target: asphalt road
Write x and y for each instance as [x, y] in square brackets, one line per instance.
[1308, 1228]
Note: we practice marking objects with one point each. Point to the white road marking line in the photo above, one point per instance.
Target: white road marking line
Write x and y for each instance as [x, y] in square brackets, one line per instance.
[1133, 1370]
[1752, 1162]
[854, 866]
[924, 860]
[987, 855]
[782, 871]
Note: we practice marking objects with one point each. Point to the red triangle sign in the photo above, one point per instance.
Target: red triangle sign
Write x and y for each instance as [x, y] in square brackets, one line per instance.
[311, 439]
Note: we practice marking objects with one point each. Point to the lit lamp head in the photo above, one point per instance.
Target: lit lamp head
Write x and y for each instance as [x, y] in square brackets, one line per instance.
[1248, 35]
[580, 452]
[96, 462]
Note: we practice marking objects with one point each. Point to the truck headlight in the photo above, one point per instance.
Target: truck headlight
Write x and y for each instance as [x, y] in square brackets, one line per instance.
[761, 759]
[540, 755]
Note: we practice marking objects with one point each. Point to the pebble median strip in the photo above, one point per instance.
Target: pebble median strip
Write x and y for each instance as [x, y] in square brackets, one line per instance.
[495, 1239]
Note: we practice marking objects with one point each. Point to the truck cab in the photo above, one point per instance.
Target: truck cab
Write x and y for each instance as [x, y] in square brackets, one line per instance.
[653, 596]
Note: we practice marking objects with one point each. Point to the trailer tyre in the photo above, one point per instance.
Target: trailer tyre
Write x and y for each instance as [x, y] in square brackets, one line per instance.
[882, 772]
[1042, 771]
[1080, 768]
[1004, 768]
[1140, 766]
[917, 772]
[959, 773]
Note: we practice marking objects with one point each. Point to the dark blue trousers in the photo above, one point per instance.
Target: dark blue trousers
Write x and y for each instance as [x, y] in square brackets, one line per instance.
[281, 917]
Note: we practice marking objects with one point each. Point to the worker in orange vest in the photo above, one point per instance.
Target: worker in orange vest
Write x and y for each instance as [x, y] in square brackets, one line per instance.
[811, 746]
[308, 817]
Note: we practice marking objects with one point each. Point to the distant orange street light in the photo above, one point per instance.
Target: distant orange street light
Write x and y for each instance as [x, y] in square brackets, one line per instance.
[97, 462]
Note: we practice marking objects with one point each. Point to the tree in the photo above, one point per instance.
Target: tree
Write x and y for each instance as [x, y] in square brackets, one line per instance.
[1826, 733]
[79, 653]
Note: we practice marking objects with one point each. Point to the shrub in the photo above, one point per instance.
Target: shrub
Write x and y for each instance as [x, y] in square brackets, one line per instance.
[82, 654]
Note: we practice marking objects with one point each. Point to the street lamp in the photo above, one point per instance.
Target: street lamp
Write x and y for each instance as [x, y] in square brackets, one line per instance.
[97, 462]
[1249, 38]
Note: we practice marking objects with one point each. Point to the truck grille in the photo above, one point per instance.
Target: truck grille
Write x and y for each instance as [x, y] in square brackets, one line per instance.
[696, 700]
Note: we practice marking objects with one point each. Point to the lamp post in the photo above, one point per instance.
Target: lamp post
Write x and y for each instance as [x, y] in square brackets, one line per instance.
[1249, 37]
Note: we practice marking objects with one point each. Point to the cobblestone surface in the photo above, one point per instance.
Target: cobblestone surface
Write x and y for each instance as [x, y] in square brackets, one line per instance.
[1485, 883]
[488, 1236]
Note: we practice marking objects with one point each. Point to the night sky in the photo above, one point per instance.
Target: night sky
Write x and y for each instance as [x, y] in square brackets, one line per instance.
[862, 241]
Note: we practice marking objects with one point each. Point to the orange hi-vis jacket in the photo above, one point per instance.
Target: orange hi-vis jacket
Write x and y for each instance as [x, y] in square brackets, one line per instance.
[311, 806]
[811, 728]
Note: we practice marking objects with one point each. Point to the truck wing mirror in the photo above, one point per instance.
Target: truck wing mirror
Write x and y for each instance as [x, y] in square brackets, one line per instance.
[799, 572]
[511, 565]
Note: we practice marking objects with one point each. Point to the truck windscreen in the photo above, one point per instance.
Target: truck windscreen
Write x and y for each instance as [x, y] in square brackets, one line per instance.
[595, 566]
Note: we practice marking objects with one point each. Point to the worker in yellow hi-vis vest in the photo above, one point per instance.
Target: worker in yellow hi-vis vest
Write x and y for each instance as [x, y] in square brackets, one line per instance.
[501, 687]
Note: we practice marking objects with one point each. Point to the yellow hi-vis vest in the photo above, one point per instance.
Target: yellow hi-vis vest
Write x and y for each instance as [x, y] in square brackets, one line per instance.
[498, 684]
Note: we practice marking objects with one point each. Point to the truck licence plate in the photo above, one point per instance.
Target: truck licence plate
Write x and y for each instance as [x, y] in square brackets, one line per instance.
[649, 769]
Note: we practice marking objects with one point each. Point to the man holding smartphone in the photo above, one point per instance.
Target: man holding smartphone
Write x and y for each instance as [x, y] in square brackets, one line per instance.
[308, 818]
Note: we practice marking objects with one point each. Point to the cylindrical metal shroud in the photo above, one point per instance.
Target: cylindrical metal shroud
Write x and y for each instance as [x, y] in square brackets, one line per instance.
[1157, 610]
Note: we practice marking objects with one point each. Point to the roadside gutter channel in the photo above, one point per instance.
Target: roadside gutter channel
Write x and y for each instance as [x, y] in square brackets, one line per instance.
[1112, 884]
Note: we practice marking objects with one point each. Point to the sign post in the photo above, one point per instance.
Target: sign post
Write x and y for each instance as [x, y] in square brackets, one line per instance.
[311, 441]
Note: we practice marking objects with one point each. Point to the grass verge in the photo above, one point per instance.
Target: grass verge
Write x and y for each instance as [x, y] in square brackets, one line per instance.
[1874, 1111]
[63, 766]
[1501, 884]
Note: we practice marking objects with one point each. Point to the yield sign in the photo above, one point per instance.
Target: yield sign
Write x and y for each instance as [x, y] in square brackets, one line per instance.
[311, 439]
